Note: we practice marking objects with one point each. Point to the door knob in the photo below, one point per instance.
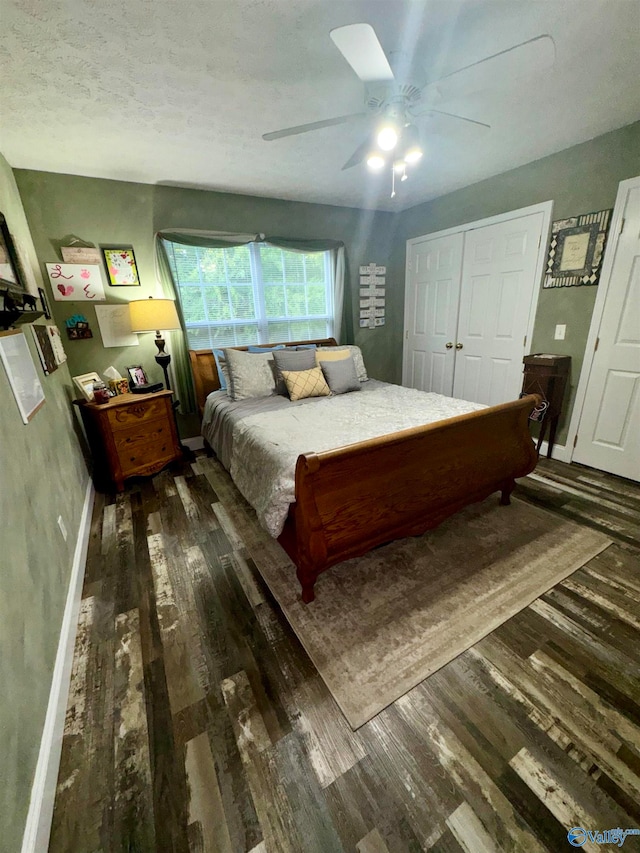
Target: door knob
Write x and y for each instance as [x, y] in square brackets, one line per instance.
[458, 346]
[449, 344]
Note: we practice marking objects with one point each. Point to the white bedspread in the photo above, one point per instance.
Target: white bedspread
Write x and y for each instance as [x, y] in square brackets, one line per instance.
[266, 446]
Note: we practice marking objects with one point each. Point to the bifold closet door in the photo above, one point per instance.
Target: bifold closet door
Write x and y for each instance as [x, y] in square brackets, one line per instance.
[431, 313]
[499, 283]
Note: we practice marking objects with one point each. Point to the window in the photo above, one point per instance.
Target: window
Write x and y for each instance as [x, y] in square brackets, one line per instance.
[252, 294]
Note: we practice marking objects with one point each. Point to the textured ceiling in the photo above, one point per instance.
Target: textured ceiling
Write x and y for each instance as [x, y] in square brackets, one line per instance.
[163, 91]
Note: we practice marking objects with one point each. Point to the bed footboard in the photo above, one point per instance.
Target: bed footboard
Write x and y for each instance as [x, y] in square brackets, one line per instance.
[354, 498]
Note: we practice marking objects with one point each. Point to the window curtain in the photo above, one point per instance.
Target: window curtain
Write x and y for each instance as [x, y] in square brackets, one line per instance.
[181, 367]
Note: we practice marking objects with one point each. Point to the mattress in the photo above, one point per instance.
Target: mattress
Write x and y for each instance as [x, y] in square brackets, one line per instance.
[259, 440]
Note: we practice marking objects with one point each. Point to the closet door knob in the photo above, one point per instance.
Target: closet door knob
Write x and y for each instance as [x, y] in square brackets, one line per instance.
[458, 346]
[449, 344]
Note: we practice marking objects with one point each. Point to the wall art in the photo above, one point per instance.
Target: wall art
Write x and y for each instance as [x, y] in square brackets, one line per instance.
[11, 276]
[56, 343]
[372, 295]
[78, 328]
[114, 322]
[44, 303]
[21, 372]
[80, 255]
[45, 348]
[76, 282]
[576, 248]
[121, 266]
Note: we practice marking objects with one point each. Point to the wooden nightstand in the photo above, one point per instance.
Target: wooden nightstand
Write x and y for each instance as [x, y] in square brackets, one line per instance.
[547, 375]
[131, 435]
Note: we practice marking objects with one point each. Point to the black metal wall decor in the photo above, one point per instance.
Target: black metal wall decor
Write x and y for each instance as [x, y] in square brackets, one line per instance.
[576, 249]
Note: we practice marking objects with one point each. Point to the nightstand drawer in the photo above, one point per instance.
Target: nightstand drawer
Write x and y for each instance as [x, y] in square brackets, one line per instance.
[134, 437]
[124, 417]
[143, 457]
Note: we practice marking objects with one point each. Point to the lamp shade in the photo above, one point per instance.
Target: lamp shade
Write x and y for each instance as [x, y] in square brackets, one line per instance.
[150, 315]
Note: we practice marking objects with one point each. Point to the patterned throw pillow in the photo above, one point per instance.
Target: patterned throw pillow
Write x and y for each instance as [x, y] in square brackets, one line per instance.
[306, 383]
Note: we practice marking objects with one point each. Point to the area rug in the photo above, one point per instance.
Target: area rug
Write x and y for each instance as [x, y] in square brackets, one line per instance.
[382, 623]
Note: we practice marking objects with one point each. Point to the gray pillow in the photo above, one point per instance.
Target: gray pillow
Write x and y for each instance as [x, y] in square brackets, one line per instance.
[250, 374]
[341, 375]
[356, 352]
[291, 359]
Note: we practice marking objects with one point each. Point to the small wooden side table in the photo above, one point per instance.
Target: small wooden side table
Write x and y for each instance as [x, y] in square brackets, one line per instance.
[131, 435]
[547, 374]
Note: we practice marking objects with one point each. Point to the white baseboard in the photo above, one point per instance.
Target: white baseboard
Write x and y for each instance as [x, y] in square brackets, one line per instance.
[559, 452]
[196, 442]
[43, 790]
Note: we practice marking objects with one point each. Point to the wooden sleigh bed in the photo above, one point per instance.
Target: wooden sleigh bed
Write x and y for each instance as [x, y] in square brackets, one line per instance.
[357, 497]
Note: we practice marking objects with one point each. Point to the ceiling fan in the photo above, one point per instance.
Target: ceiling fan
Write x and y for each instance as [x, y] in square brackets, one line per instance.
[394, 101]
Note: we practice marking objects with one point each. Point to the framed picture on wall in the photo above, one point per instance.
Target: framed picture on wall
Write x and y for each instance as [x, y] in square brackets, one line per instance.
[43, 302]
[576, 249]
[11, 278]
[120, 263]
[15, 355]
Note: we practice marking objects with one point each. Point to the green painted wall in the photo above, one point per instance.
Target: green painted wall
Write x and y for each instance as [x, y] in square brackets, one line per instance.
[42, 476]
[103, 212]
[578, 180]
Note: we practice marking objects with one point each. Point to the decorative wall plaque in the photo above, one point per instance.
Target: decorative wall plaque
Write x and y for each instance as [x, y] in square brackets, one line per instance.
[576, 248]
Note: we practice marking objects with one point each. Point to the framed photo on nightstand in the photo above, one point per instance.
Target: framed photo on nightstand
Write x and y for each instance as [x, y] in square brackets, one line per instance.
[85, 383]
[137, 376]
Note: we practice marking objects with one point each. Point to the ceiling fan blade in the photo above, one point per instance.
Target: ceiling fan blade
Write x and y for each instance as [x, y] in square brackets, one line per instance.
[529, 57]
[460, 118]
[359, 45]
[314, 125]
[358, 155]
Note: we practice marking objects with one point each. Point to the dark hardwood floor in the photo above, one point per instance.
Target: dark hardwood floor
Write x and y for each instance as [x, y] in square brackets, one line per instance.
[196, 722]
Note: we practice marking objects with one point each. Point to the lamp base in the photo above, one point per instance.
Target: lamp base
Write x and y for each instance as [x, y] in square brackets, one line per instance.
[164, 360]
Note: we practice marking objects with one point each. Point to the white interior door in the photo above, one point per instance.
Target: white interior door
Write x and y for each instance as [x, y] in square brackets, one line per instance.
[499, 282]
[609, 430]
[431, 313]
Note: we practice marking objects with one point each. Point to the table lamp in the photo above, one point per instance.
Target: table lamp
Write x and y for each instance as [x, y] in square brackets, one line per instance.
[152, 315]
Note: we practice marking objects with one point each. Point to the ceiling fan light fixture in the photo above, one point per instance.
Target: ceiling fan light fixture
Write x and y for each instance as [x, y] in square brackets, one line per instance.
[375, 161]
[399, 167]
[413, 155]
[387, 137]
[412, 150]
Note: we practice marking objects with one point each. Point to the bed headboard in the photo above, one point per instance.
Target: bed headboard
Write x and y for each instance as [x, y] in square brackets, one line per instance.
[205, 372]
